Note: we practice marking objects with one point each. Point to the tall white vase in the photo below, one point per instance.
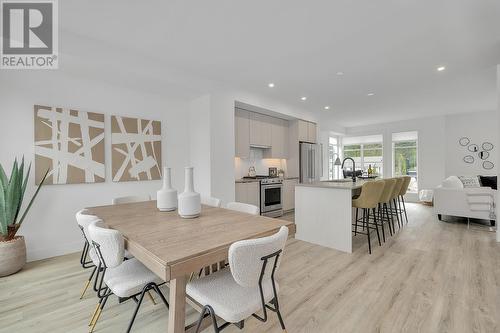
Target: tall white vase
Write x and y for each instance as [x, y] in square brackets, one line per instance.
[189, 200]
[166, 198]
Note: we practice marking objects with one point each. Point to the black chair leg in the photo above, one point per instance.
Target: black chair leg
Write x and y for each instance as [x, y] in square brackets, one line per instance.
[211, 313]
[376, 226]
[386, 211]
[396, 211]
[88, 282]
[404, 208]
[138, 305]
[356, 223]
[400, 212]
[367, 228]
[158, 291]
[381, 220]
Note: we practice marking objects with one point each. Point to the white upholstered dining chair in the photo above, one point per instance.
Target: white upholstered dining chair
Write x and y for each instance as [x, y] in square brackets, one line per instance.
[84, 220]
[211, 201]
[247, 286]
[123, 278]
[131, 198]
[243, 208]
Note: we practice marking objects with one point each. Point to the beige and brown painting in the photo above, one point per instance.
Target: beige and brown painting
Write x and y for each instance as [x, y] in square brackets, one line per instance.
[136, 149]
[70, 144]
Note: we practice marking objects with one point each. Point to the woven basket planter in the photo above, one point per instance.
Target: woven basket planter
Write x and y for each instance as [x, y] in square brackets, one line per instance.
[12, 255]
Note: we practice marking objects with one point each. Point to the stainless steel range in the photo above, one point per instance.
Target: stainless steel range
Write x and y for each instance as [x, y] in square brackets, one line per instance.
[271, 197]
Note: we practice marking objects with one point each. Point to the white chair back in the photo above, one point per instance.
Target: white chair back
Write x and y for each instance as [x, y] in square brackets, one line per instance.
[211, 201]
[84, 220]
[245, 257]
[111, 244]
[131, 198]
[243, 207]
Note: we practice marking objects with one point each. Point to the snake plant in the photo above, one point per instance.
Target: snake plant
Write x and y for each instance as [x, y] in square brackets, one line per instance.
[12, 192]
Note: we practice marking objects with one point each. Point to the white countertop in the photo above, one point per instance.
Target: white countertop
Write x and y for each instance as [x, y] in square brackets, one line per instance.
[339, 185]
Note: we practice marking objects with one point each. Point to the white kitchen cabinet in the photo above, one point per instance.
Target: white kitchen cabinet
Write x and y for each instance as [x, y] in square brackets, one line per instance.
[248, 193]
[289, 193]
[307, 131]
[279, 139]
[242, 133]
[260, 130]
[303, 130]
[311, 132]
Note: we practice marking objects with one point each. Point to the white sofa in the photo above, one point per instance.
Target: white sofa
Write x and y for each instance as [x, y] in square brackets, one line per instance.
[451, 198]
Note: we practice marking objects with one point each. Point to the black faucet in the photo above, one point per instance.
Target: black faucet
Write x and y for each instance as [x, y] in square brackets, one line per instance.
[353, 167]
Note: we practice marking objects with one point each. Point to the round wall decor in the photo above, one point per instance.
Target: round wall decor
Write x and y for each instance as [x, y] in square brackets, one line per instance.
[464, 141]
[483, 155]
[488, 165]
[469, 159]
[487, 146]
[473, 148]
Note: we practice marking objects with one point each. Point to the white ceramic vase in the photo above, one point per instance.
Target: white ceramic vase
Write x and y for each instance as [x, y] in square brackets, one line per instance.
[166, 198]
[189, 200]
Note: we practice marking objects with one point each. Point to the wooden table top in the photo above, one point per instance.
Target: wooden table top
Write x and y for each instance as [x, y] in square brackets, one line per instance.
[165, 239]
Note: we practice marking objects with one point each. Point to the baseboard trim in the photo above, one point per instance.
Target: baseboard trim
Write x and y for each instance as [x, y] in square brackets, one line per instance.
[53, 251]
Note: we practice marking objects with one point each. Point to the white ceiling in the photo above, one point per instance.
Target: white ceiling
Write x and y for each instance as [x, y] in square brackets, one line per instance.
[388, 47]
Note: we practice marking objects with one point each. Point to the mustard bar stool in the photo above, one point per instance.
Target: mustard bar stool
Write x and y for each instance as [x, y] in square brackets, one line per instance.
[394, 199]
[385, 199]
[368, 200]
[402, 193]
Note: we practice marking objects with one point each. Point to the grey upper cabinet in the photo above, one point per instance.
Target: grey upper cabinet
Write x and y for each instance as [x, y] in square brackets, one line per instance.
[242, 133]
[260, 130]
[279, 139]
[307, 131]
[311, 132]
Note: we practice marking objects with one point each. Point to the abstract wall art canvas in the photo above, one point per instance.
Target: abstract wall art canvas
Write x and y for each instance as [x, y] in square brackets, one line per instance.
[136, 149]
[70, 144]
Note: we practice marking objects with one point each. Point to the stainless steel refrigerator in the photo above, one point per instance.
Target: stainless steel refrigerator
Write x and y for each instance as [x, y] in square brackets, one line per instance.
[310, 162]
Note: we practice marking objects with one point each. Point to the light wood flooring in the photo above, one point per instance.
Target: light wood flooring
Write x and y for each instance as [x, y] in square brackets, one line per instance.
[430, 277]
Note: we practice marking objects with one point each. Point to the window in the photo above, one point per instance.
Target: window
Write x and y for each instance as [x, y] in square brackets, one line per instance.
[366, 151]
[333, 153]
[405, 157]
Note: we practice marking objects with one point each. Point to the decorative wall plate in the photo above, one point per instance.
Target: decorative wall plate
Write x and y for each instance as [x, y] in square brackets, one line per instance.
[473, 148]
[464, 141]
[469, 159]
[483, 155]
[488, 165]
[487, 146]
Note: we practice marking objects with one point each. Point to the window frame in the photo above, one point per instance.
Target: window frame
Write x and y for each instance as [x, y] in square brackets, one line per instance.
[416, 157]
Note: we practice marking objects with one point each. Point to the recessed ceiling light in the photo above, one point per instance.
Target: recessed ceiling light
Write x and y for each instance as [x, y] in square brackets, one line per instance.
[327, 107]
[271, 85]
[441, 68]
[370, 94]
[340, 73]
[303, 98]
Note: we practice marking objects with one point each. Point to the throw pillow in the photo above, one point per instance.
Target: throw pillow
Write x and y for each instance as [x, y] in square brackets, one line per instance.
[489, 181]
[470, 181]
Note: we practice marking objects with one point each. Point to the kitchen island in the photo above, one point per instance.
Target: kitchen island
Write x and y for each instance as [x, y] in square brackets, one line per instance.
[324, 213]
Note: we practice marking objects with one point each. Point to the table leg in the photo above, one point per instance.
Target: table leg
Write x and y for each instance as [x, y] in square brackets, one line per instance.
[177, 310]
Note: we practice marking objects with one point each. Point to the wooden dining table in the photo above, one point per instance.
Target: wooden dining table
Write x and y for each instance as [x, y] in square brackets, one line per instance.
[173, 247]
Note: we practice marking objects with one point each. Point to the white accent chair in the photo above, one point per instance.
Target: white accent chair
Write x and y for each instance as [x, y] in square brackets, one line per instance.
[451, 198]
[211, 201]
[243, 208]
[125, 279]
[248, 285]
[84, 220]
[130, 199]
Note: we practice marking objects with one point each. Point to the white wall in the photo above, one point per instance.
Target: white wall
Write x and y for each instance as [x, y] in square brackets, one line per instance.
[439, 154]
[431, 142]
[50, 228]
[479, 127]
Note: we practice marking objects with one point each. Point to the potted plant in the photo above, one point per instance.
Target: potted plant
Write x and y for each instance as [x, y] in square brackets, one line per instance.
[12, 190]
